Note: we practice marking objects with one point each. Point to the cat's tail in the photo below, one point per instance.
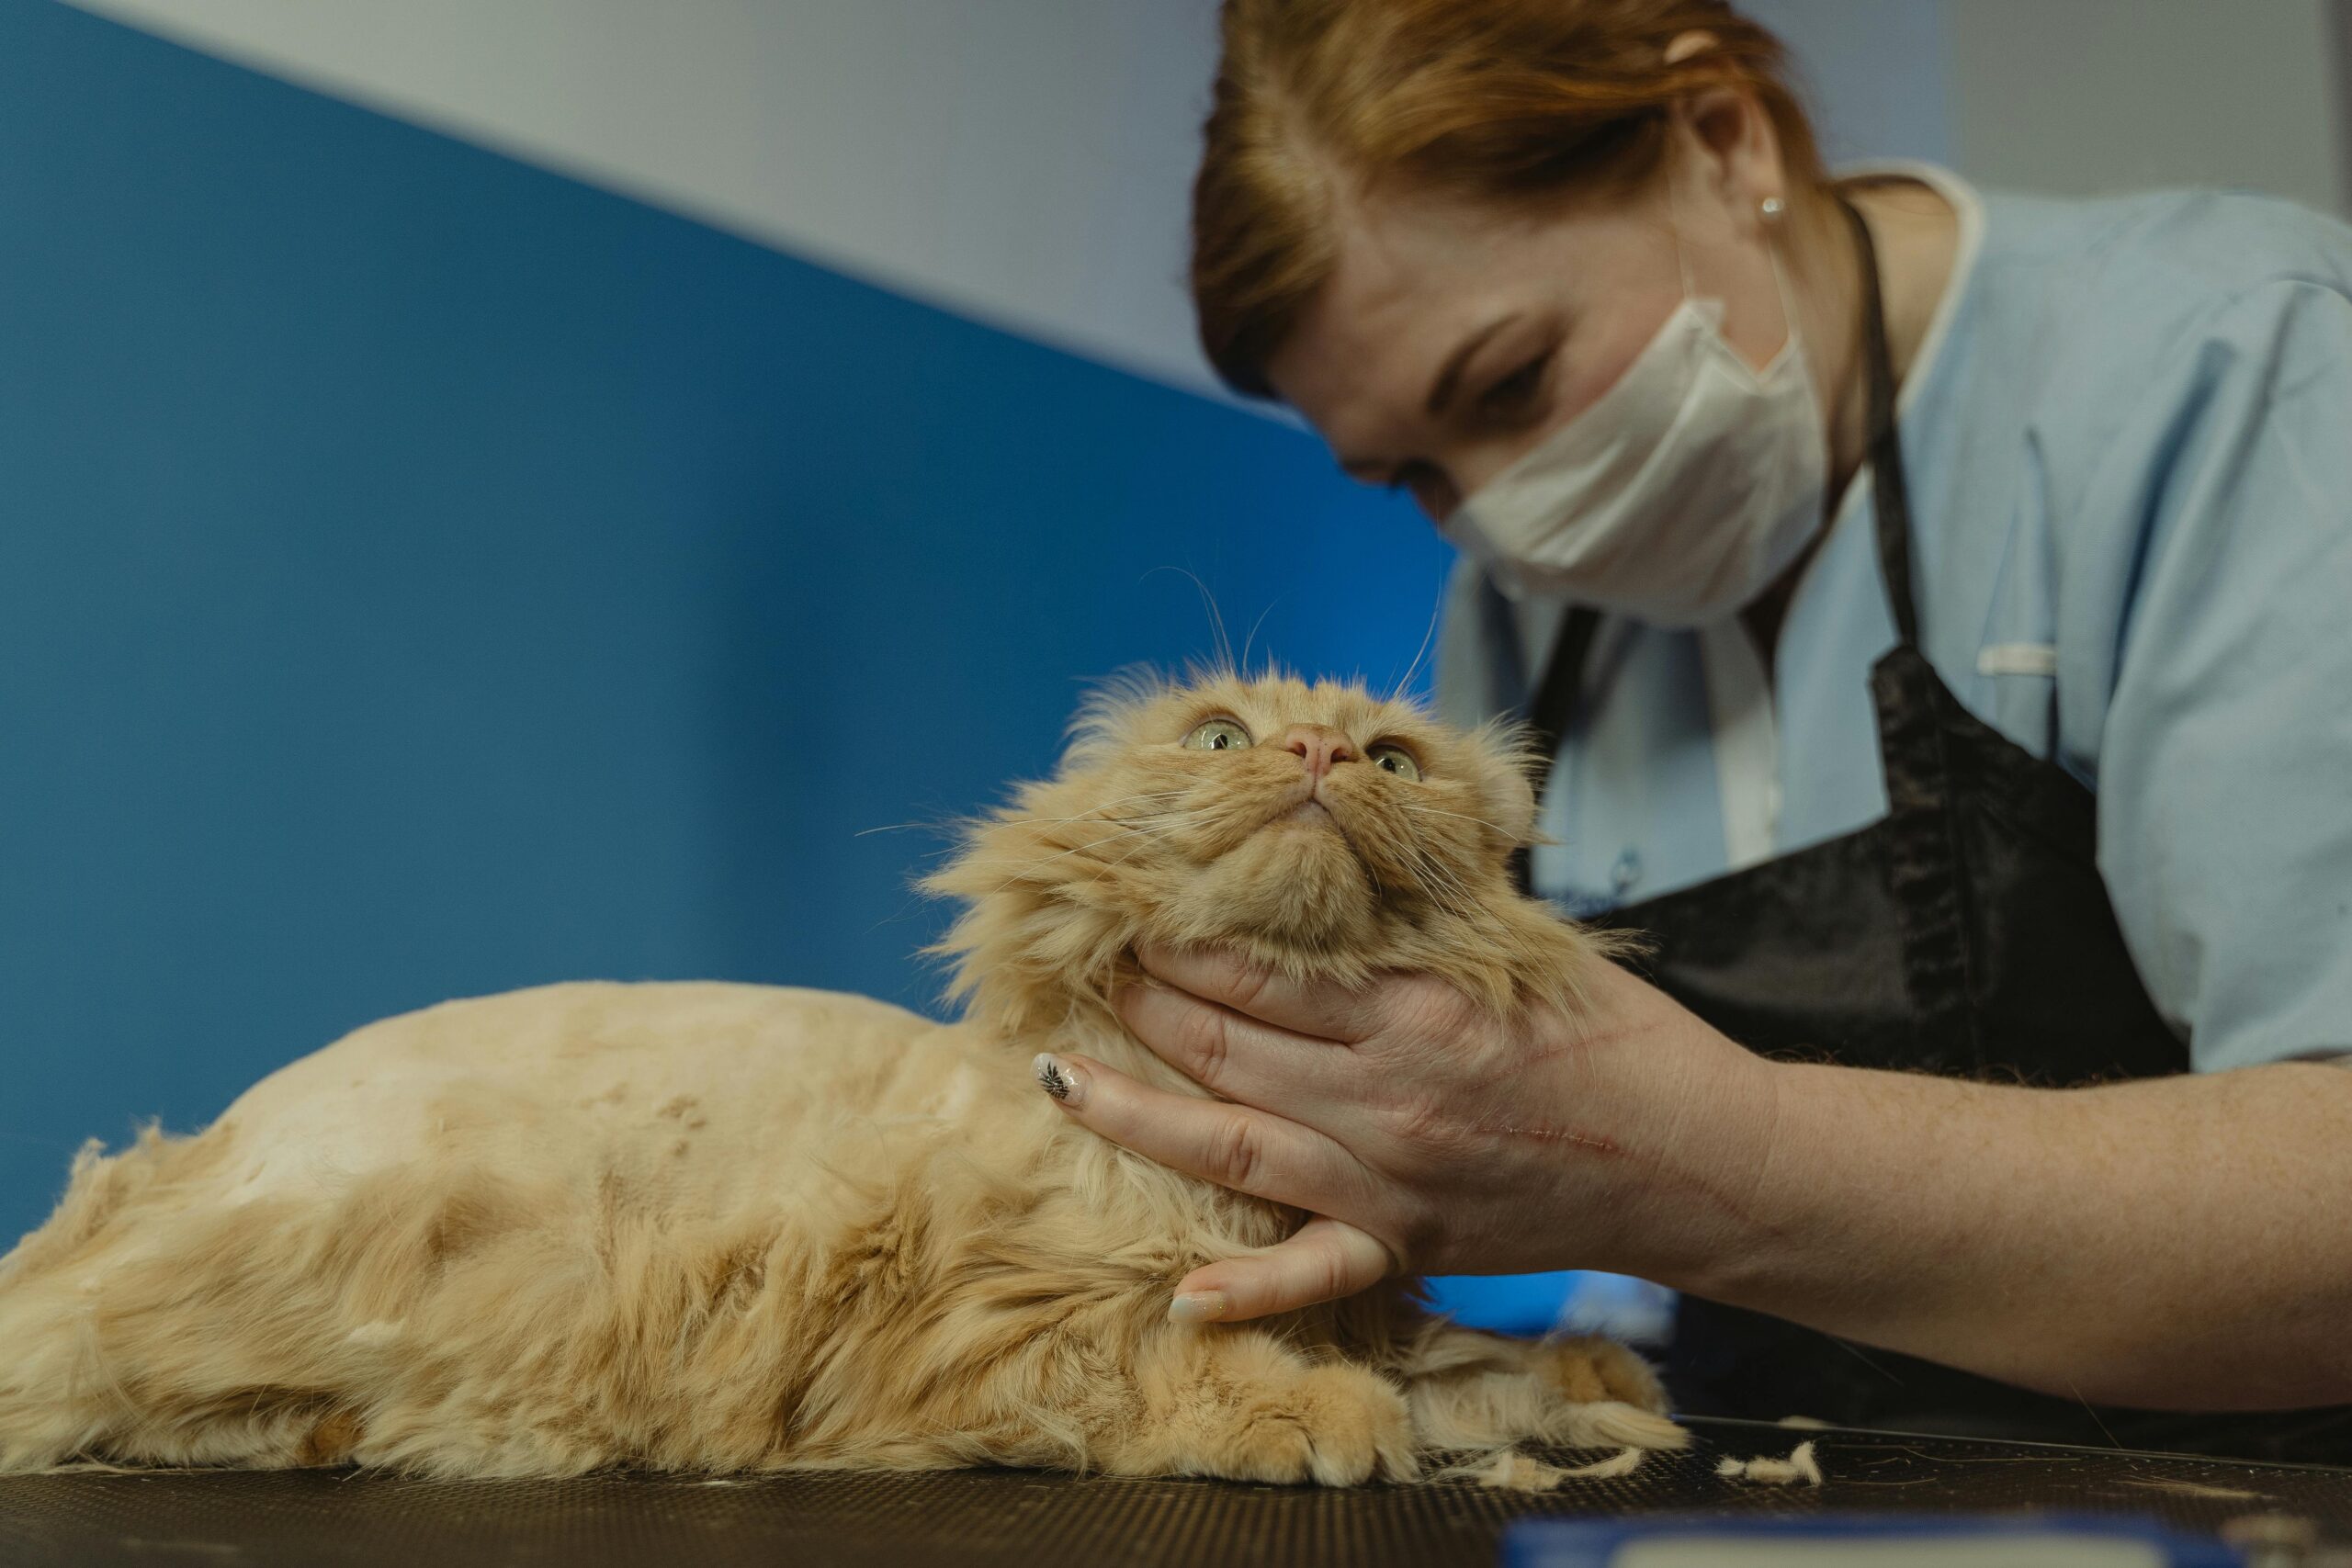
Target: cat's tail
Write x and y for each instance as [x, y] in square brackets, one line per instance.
[54, 1395]
[53, 1399]
[64, 1321]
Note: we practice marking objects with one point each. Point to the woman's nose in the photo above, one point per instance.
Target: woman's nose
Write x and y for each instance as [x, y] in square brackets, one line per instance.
[1319, 746]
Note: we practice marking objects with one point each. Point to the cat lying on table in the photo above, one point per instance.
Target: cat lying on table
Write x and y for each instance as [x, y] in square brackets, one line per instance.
[708, 1226]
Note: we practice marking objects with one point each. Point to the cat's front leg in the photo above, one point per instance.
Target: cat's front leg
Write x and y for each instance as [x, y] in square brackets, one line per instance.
[1233, 1403]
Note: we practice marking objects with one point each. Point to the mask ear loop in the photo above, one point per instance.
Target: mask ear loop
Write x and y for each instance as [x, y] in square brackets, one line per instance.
[1772, 210]
[1674, 222]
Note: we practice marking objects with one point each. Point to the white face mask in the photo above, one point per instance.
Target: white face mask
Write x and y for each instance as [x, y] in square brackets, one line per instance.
[1677, 498]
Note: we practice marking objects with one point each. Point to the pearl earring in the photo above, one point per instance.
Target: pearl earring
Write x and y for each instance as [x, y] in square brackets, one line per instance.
[1772, 207]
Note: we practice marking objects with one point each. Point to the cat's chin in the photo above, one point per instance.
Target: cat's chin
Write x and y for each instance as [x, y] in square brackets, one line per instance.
[1312, 816]
[1298, 879]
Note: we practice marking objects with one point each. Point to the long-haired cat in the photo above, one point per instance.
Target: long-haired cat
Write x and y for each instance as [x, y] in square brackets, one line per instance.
[712, 1226]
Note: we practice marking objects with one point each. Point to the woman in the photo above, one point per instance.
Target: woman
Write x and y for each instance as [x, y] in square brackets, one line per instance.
[1936, 605]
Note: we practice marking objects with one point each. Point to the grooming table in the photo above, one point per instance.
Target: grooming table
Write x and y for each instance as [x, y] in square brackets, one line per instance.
[1030, 1520]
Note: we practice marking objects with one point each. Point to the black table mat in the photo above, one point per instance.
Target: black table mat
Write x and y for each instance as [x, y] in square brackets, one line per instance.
[1032, 1520]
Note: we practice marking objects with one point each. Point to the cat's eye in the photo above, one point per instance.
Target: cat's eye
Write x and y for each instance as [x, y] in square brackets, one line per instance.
[1217, 735]
[1394, 759]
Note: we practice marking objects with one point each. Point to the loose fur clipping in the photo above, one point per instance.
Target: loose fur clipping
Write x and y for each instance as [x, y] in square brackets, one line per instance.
[718, 1227]
[1798, 1468]
[1508, 1470]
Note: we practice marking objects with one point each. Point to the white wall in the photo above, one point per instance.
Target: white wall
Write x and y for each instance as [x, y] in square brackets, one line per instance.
[1028, 162]
[2082, 97]
[1871, 72]
[1024, 161]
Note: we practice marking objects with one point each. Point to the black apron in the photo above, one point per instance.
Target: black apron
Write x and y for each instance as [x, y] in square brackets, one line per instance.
[1968, 932]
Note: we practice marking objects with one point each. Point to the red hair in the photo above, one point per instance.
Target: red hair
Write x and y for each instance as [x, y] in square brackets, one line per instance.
[1504, 100]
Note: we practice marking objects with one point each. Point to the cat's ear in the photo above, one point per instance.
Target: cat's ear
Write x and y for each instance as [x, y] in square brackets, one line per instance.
[1511, 797]
[1510, 766]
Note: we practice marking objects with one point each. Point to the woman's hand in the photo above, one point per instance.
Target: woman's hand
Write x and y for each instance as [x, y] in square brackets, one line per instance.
[2109, 1244]
[1423, 1134]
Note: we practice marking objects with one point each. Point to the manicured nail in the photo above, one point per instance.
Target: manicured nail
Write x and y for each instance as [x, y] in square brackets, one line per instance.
[1060, 1079]
[1200, 1306]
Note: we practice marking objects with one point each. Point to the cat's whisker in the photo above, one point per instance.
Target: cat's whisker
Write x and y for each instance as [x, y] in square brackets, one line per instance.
[1140, 794]
[1031, 867]
[1216, 618]
[1244, 671]
[1102, 812]
[1200, 812]
[1442, 891]
[1443, 884]
[1463, 816]
[1109, 866]
[1398, 692]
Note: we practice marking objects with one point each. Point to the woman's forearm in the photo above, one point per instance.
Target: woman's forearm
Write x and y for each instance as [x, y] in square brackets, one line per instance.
[2183, 1243]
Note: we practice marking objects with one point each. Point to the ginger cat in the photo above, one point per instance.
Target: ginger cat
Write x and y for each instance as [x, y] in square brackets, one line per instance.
[699, 1225]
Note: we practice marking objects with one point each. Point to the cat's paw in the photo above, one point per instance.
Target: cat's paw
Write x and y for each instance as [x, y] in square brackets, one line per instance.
[1588, 1370]
[1335, 1426]
[1614, 1398]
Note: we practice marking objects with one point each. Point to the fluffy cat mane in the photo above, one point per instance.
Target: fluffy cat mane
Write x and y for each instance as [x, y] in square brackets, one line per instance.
[1120, 845]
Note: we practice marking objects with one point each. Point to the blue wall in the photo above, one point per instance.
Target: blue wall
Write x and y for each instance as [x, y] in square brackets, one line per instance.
[423, 575]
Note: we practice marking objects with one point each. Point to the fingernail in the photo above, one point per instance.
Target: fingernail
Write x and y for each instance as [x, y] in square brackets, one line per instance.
[1059, 1078]
[1199, 1306]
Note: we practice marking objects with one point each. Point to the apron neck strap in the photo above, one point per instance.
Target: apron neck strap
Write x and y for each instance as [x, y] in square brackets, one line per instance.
[1552, 704]
[1891, 499]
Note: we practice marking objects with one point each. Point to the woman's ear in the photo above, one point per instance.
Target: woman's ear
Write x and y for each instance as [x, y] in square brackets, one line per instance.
[1734, 151]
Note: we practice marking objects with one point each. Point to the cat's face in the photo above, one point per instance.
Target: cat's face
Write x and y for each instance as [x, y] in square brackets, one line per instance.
[1270, 807]
[1318, 826]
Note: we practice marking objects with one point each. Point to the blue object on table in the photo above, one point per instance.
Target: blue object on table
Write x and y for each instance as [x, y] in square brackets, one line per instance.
[1576, 1301]
[1860, 1541]
[1502, 1303]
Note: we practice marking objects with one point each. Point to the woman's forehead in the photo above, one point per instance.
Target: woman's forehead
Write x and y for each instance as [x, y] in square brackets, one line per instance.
[1410, 276]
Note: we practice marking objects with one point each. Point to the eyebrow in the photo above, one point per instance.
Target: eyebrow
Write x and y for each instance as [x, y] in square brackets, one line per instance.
[1449, 379]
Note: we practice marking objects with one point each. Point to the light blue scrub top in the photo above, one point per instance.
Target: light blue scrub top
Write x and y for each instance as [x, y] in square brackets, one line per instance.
[2128, 442]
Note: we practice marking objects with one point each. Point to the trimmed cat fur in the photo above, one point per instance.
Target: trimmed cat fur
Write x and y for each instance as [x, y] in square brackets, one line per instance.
[707, 1227]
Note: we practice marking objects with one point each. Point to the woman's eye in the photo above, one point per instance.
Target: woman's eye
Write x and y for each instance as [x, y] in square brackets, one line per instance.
[1517, 391]
[1217, 735]
[1394, 759]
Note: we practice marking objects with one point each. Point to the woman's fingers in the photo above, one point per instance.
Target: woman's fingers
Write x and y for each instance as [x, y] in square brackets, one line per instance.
[1232, 1056]
[1315, 1008]
[1250, 1152]
[1326, 1260]
[1232, 1145]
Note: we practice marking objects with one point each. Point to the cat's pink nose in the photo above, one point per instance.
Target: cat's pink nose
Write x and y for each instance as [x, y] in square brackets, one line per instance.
[1319, 746]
